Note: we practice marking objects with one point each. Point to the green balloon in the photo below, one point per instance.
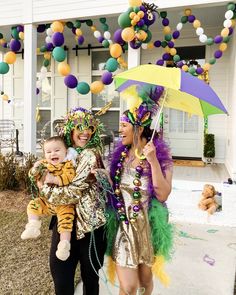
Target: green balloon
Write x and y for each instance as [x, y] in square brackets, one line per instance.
[212, 61]
[46, 62]
[184, 19]
[168, 37]
[69, 25]
[105, 43]
[59, 54]
[82, 88]
[176, 58]
[4, 67]
[124, 20]
[1, 35]
[102, 20]
[210, 41]
[43, 48]
[226, 39]
[105, 27]
[192, 70]
[163, 14]
[125, 46]
[136, 9]
[89, 22]
[77, 24]
[231, 6]
[111, 65]
[163, 44]
[15, 33]
[149, 37]
[48, 26]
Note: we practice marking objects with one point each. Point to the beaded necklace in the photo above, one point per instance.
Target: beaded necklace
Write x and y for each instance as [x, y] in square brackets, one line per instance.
[136, 204]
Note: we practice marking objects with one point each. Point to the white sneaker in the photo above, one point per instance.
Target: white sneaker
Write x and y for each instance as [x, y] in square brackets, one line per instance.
[63, 250]
[32, 230]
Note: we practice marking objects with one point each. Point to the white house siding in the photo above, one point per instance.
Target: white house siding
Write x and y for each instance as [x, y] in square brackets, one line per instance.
[12, 12]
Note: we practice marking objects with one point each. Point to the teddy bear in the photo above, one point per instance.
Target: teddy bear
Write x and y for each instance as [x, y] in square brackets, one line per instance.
[207, 201]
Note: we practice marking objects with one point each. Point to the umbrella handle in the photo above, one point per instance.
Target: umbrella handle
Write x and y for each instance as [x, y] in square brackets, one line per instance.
[159, 114]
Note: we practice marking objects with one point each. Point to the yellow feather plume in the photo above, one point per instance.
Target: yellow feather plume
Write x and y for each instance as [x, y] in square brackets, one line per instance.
[158, 270]
[111, 270]
[131, 97]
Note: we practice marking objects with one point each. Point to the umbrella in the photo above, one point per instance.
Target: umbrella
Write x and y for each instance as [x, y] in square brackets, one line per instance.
[183, 91]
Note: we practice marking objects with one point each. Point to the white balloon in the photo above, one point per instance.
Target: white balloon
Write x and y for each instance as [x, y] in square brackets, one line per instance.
[48, 39]
[107, 35]
[199, 31]
[49, 32]
[179, 26]
[203, 38]
[97, 34]
[144, 45]
[227, 23]
[43, 69]
[229, 14]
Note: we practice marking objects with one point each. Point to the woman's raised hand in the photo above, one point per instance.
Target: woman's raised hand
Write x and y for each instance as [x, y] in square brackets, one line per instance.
[149, 152]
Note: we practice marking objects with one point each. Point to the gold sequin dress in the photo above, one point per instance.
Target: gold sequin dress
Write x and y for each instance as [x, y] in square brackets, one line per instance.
[133, 244]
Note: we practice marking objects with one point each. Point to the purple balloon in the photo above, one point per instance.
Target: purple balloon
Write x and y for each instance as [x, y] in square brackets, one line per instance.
[15, 45]
[37, 91]
[141, 23]
[100, 39]
[135, 45]
[218, 54]
[117, 37]
[191, 18]
[160, 62]
[73, 30]
[176, 34]
[165, 22]
[142, 8]
[5, 45]
[231, 31]
[171, 44]
[49, 46]
[20, 28]
[218, 39]
[149, 20]
[107, 78]
[41, 28]
[199, 71]
[57, 39]
[157, 43]
[81, 40]
[70, 81]
[180, 64]
[166, 56]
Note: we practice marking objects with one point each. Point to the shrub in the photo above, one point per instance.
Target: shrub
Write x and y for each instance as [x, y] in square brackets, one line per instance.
[14, 173]
[209, 145]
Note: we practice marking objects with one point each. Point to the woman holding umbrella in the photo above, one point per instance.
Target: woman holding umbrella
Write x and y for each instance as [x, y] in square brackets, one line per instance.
[82, 131]
[139, 236]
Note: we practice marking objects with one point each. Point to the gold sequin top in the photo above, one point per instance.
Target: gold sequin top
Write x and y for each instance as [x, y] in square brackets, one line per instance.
[83, 192]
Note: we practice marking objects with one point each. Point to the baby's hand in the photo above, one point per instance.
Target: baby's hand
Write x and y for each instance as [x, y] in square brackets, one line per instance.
[50, 179]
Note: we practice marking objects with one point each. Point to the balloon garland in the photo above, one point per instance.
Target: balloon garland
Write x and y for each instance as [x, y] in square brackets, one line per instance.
[134, 29]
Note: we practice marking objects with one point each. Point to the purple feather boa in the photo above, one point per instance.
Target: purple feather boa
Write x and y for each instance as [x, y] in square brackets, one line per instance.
[163, 156]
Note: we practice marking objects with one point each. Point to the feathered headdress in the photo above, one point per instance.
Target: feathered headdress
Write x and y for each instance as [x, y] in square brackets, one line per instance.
[142, 104]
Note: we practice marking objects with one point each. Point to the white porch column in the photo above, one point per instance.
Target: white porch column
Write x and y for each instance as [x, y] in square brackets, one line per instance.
[30, 43]
[133, 61]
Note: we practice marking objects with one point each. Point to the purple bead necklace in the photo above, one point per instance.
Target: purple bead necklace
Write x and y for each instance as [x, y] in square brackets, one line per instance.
[136, 204]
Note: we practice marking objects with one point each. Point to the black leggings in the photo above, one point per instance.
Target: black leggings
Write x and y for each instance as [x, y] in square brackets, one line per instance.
[63, 272]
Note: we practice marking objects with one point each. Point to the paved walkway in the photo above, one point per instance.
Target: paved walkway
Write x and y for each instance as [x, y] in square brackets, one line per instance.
[203, 262]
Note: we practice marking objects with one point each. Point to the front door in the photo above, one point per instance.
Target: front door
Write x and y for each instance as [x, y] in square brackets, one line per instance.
[184, 133]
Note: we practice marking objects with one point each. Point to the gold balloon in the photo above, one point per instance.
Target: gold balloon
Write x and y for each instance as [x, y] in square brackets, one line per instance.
[166, 30]
[206, 67]
[2, 41]
[132, 15]
[115, 50]
[47, 55]
[173, 51]
[57, 27]
[141, 35]
[185, 68]
[63, 68]
[96, 87]
[196, 24]
[223, 47]
[5, 97]
[21, 35]
[78, 32]
[187, 11]
[140, 14]
[128, 34]
[134, 3]
[93, 28]
[10, 57]
[224, 32]
[150, 45]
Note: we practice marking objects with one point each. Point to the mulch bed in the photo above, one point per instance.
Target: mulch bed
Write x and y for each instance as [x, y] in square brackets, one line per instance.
[24, 265]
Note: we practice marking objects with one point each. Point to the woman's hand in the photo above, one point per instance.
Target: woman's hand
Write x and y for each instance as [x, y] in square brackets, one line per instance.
[149, 152]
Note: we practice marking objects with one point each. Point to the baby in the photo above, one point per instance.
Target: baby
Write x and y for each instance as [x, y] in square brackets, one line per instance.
[59, 162]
